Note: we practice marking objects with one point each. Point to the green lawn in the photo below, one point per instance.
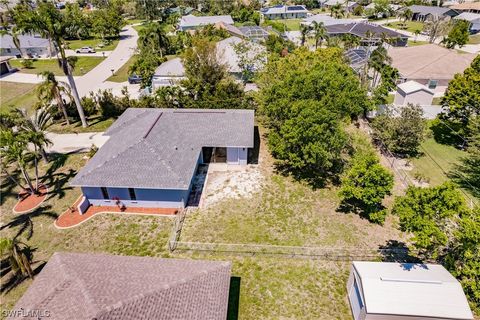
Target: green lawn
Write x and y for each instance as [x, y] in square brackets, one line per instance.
[437, 101]
[134, 21]
[390, 98]
[97, 44]
[121, 75]
[436, 155]
[283, 212]
[95, 124]
[410, 26]
[412, 43]
[475, 39]
[17, 95]
[84, 65]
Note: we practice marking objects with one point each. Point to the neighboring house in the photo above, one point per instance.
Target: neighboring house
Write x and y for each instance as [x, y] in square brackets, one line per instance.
[31, 45]
[227, 55]
[405, 291]
[414, 93]
[230, 28]
[422, 13]
[169, 73]
[327, 20]
[284, 12]
[473, 18]
[5, 66]
[368, 33]
[254, 33]
[349, 6]
[190, 22]
[429, 64]
[152, 155]
[86, 286]
[473, 7]
[357, 57]
[180, 10]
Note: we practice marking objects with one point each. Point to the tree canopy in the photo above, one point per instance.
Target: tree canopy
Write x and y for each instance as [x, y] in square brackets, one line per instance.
[458, 36]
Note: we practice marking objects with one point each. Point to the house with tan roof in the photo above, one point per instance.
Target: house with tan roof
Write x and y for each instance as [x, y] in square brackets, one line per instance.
[431, 65]
[85, 286]
[467, 7]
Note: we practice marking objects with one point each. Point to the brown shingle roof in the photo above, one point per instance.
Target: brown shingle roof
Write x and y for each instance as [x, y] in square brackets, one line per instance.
[106, 287]
[429, 61]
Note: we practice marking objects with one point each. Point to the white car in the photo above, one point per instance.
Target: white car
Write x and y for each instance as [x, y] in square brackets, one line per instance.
[85, 50]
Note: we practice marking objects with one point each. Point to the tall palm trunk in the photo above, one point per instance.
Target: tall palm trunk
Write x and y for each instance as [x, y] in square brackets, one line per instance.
[15, 181]
[68, 72]
[27, 179]
[60, 103]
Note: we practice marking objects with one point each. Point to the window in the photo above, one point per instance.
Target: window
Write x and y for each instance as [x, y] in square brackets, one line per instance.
[105, 193]
[432, 84]
[133, 196]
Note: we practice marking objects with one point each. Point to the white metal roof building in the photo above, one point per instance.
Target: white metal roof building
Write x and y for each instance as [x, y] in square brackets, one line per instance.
[414, 93]
[405, 291]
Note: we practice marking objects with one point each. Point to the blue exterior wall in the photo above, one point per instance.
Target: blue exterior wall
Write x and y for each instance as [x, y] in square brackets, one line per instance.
[148, 198]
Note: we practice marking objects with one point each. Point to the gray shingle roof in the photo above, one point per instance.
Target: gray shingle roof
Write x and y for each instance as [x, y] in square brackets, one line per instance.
[433, 10]
[159, 148]
[105, 287]
[26, 41]
[360, 29]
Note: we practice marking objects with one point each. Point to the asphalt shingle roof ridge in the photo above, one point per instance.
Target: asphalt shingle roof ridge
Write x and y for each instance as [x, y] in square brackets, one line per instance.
[127, 122]
[163, 287]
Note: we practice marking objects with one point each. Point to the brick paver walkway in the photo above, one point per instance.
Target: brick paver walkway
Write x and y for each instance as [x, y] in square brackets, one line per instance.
[71, 217]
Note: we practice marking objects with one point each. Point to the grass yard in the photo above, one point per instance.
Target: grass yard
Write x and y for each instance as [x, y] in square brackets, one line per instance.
[17, 95]
[474, 39]
[437, 101]
[412, 43]
[95, 124]
[292, 24]
[390, 98]
[436, 155]
[84, 65]
[97, 44]
[283, 212]
[121, 75]
[410, 26]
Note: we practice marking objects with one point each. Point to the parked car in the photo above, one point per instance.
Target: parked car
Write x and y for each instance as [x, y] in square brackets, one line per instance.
[134, 79]
[85, 50]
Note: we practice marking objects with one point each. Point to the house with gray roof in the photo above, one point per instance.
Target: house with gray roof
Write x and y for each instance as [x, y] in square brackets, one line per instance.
[85, 286]
[473, 18]
[422, 13]
[284, 12]
[191, 22]
[30, 45]
[152, 155]
[368, 33]
[169, 73]
[328, 20]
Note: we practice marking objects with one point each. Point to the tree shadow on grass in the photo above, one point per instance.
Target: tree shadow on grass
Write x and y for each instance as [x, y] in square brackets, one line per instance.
[14, 280]
[23, 223]
[8, 189]
[397, 251]
[57, 181]
[467, 174]
[444, 134]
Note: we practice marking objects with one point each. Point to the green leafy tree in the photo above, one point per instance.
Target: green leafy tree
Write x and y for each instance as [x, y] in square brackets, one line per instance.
[401, 134]
[462, 98]
[278, 45]
[107, 23]
[77, 24]
[251, 58]
[458, 36]
[463, 258]
[144, 66]
[429, 213]
[50, 23]
[365, 185]
[152, 39]
[381, 7]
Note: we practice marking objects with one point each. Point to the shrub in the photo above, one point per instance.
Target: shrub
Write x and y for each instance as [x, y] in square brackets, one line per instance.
[89, 106]
[27, 63]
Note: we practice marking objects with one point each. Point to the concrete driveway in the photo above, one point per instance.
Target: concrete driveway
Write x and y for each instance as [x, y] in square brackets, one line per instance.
[75, 142]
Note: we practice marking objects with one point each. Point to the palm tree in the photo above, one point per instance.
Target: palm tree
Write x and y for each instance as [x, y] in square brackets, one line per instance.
[51, 89]
[406, 14]
[153, 38]
[36, 126]
[49, 22]
[416, 33]
[336, 11]
[19, 256]
[14, 150]
[304, 30]
[319, 33]
[350, 41]
[14, 33]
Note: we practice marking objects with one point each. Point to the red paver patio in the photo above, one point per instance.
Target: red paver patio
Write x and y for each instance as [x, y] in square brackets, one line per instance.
[71, 217]
[27, 202]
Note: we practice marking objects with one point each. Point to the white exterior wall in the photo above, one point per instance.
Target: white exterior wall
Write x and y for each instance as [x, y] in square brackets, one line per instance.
[420, 97]
[237, 155]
